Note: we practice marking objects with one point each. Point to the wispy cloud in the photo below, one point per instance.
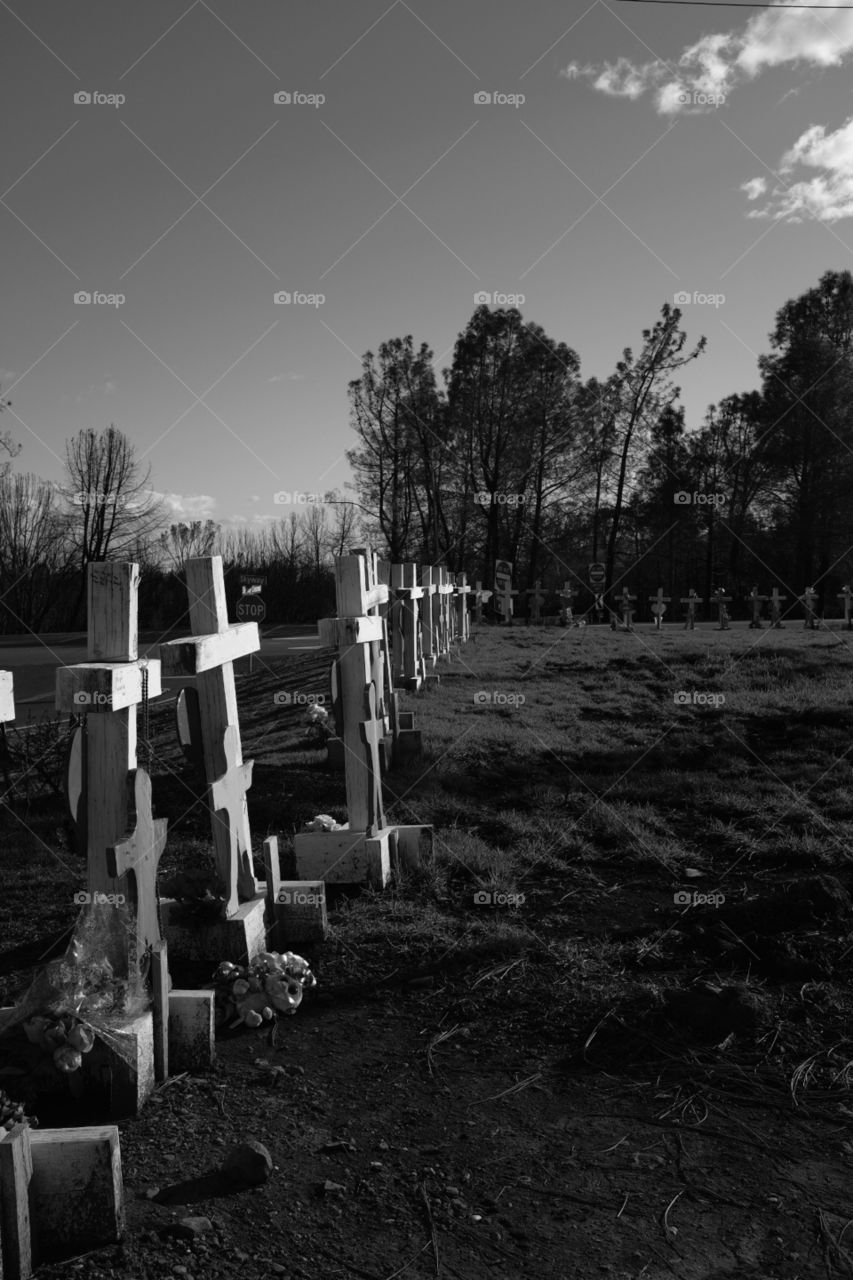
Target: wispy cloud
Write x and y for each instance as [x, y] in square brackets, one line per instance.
[286, 377]
[717, 64]
[186, 507]
[828, 196]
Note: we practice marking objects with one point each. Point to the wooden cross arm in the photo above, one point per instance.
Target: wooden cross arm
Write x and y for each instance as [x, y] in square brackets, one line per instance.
[205, 653]
[7, 700]
[105, 686]
[340, 633]
[375, 595]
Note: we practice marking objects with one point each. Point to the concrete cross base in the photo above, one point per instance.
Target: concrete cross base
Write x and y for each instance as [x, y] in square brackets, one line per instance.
[299, 914]
[412, 848]
[238, 939]
[129, 1084]
[191, 1031]
[61, 1195]
[344, 856]
[431, 682]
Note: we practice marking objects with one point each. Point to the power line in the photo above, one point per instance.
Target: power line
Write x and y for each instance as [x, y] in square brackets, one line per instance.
[735, 4]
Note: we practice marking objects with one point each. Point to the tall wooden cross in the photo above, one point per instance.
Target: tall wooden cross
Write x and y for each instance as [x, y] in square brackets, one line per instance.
[107, 690]
[352, 633]
[535, 599]
[463, 622]
[481, 597]
[659, 603]
[844, 594]
[691, 600]
[567, 595]
[430, 619]
[721, 600]
[625, 603]
[756, 600]
[503, 589]
[446, 589]
[775, 612]
[409, 666]
[209, 656]
[808, 600]
[375, 604]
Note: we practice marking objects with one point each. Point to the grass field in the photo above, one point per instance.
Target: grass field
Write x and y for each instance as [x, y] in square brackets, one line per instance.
[638, 897]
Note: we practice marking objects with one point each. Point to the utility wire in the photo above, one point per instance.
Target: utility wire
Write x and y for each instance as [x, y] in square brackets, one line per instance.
[735, 4]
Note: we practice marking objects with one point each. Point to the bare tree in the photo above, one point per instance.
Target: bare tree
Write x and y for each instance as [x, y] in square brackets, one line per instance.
[112, 507]
[32, 543]
[184, 542]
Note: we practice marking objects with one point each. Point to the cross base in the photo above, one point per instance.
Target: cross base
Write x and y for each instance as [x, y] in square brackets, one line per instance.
[354, 857]
[239, 938]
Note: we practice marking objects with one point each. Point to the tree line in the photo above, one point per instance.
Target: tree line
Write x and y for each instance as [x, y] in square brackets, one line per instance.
[510, 454]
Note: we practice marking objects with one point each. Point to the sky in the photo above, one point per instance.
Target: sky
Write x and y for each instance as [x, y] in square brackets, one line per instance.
[254, 195]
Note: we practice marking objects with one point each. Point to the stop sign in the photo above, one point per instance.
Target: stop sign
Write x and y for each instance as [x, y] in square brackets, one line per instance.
[251, 608]
[597, 574]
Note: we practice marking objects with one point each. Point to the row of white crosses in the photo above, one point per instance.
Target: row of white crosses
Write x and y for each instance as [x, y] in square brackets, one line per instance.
[365, 846]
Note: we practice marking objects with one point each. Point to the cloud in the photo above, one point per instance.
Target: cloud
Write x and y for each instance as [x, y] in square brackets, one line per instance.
[186, 507]
[286, 377]
[754, 188]
[827, 196]
[717, 64]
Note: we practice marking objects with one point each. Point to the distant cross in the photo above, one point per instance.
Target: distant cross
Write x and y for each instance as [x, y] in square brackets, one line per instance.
[463, 590]
[567, 595]
[845, 595]
[625, 603]
[775, 611]
[503, 589]
[480, 598]
[691, 600]
[660, 601]
[756, 601]
[721, 600]
[808, 599]
[535, 598]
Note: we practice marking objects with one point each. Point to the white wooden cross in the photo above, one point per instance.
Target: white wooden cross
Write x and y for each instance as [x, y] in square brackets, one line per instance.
[375, 604]
[844, 595]
[567, 595]
[445, 605]
[807, 599]
[691, 600]
[209, 656]
[757, 601]
[409, 665]
[7, 698]
[775, 611]
[626, 607]
[721, 600]
[107, 690]
[463, 590]
[503, 590]
[481, 597]
[353, 633]
[535, 598]
[430, 615]
[660, 601]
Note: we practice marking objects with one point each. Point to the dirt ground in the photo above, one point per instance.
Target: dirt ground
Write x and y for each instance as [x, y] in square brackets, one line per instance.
[596, 1084]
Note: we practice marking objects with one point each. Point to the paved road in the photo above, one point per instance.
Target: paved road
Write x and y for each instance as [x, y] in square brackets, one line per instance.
[34, 661]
